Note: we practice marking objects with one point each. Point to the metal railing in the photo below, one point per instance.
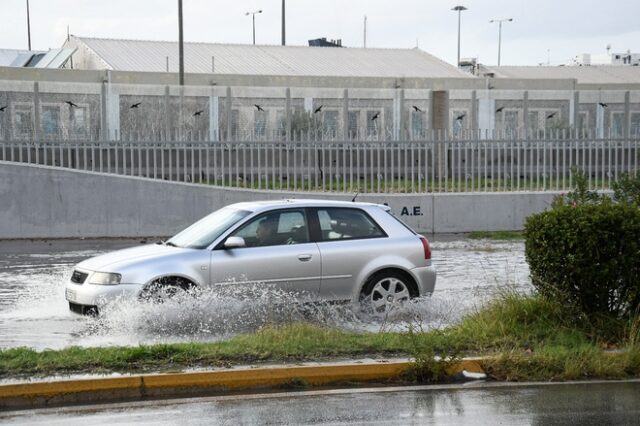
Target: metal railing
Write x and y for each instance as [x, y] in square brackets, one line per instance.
[483, 165]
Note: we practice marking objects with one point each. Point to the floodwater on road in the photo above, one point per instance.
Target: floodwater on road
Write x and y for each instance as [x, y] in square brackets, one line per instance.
[34, 313]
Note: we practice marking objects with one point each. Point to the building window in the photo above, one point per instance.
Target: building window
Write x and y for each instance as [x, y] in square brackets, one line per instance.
[552, 119]
[417, 124]
[459, 120]
[22, 121]
[79, 123]
[51, 121]
[330, 123]
[511, 119]
[583, 121]
[534, 124]
[235, 123]
[635, 124]
[260, 123]
[374, 123]
[617, 124]
[281, 123]
[354, 120]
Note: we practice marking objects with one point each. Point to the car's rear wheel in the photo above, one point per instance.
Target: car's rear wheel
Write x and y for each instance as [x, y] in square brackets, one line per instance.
[166, 288]
[386, 291]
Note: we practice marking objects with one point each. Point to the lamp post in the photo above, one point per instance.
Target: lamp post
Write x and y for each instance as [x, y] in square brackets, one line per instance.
[500, 21]
[459, 9]
[28, 26]
[253, 17]
[284, 38]
[180, 46]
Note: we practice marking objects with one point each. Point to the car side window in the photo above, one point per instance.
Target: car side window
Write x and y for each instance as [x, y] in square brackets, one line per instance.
[275, 228]
[347, 224]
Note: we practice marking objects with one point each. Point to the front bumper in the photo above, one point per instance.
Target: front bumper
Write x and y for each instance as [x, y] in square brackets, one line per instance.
[97, 295]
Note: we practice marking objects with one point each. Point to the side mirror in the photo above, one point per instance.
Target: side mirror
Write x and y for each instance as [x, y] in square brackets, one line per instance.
[234, 242]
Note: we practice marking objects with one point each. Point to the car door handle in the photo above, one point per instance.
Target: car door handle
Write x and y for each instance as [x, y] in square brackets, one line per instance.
[304, 257]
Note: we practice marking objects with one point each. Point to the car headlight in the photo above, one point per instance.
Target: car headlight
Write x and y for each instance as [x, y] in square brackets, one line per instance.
[105, 278]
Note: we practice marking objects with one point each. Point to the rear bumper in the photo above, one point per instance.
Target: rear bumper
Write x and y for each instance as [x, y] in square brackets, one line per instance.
[425, 278]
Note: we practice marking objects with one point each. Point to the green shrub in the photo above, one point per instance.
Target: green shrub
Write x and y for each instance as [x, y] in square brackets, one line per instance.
[627, 189]
[587, 255]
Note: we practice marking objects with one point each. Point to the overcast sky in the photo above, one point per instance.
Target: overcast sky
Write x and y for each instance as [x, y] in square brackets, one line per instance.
[542, 29]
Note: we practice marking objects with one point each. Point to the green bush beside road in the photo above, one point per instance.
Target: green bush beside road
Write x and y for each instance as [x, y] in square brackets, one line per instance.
[585, 251]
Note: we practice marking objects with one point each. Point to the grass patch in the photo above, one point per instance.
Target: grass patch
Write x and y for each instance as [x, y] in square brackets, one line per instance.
[496, 235]
[526, 338]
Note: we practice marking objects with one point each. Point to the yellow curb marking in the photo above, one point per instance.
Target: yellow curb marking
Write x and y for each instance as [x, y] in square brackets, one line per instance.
[229, 379]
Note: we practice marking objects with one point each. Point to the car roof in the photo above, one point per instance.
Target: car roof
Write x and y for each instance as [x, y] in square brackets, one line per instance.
[292, 202]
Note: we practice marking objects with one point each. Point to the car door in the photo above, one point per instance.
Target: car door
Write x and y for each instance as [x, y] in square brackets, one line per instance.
[349, 239]
[288, 260]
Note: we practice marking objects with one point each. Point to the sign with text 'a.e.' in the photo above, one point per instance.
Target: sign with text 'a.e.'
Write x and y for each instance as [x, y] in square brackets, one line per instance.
[410, 210]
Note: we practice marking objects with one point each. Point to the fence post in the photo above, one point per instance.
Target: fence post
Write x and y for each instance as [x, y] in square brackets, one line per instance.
[227, 103]
[398, 121]
[627, 115]
[287, 113]
[104, 129]
[474, 111]
[345, 114]
[36, 111]
[214, 111]
[167, 111]
[576, 110]
[525, 114]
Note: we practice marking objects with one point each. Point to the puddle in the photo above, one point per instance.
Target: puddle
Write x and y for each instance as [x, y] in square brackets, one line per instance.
[33, 311]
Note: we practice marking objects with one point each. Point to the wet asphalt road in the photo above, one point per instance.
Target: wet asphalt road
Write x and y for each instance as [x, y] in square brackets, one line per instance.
[586, 404]
[33, 311]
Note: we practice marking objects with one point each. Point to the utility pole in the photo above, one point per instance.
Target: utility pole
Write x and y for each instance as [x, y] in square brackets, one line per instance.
[28, 26]
[181, 45]
[284, 39]
[459, 9]
[365, 31]
[500, 21]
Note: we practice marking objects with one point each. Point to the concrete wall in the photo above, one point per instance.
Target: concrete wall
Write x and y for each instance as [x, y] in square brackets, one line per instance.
[48, 202]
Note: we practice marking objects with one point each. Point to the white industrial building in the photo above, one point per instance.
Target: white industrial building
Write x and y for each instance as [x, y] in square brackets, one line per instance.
[238, 92]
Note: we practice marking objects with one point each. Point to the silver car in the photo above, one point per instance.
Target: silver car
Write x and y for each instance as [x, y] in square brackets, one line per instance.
[313, 249]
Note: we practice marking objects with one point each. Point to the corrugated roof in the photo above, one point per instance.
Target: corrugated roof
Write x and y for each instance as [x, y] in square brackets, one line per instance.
[591, 74]
[139, 55]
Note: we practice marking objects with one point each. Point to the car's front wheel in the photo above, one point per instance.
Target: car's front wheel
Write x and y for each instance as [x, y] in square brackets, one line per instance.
[385, 291]
[166, 288]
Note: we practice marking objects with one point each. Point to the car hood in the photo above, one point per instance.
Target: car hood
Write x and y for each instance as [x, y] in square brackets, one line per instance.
[112, 262]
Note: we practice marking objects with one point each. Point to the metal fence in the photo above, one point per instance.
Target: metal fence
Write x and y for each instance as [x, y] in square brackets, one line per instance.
[450, 165]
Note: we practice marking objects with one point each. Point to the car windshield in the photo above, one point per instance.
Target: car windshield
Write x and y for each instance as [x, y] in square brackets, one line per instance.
[205, 231]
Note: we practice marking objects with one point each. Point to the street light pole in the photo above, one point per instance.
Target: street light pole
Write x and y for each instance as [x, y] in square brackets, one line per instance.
[253, 17]
[28, 26]
[180, 45]
[500, 21]
[459, 9]
[284, 39]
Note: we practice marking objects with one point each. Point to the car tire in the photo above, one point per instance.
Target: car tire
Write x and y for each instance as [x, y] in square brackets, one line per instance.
[166, 288]
[385, 291]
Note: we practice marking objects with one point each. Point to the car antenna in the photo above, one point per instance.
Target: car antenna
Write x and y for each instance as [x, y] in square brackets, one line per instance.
[353, 200]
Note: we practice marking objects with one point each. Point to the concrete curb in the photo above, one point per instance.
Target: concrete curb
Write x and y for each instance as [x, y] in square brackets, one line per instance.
[44, 394]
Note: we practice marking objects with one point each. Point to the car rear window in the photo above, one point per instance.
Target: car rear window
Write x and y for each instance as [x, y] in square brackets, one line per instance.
[347, 224]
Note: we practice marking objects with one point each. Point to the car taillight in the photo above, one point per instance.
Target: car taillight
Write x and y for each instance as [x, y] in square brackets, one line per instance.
[427, 249]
